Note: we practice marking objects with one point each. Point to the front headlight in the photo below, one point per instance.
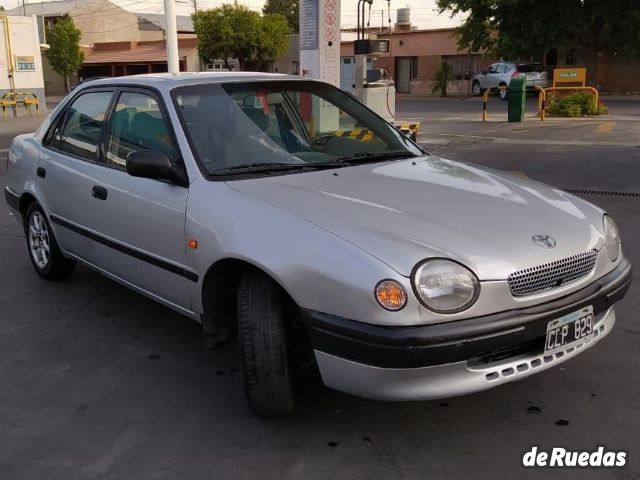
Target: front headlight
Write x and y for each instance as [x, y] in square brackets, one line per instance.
[445, 286]
[611, 238]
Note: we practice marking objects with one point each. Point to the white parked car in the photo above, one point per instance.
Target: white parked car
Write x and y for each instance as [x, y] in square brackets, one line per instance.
[500, 75]
[284, 211]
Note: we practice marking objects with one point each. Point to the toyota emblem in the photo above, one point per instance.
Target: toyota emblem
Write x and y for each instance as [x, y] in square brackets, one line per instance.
[544, 241]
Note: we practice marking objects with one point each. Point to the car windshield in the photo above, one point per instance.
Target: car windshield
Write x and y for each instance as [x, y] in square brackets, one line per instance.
[283, 126]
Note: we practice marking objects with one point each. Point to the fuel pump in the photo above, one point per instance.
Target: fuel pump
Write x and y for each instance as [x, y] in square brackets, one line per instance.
[320, 55]
[372, 87]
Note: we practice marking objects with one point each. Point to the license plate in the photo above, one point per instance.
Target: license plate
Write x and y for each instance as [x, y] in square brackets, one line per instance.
[568, 329]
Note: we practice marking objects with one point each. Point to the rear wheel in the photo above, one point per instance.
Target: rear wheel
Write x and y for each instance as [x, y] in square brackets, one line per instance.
[45, 255]
[263, 346]
[503, 91]
[476, 89]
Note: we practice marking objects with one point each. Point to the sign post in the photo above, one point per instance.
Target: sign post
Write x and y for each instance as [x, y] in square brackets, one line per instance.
[320, 40]
[173, 60]
[320, 56]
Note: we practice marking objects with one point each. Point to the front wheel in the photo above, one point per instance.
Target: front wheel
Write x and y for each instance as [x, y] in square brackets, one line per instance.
[263, 346]
[45, 255]
[476, 89]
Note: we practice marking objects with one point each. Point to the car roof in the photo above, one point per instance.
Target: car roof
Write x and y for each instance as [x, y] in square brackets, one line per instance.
[170, 80]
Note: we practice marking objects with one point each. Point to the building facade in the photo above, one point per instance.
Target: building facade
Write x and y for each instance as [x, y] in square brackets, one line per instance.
[414, 57]
[20, 61]
[107, 28]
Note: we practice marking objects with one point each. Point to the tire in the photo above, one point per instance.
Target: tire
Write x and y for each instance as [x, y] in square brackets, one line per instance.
[476, 89]
[263, 351]
[46, 257]
[502, 92]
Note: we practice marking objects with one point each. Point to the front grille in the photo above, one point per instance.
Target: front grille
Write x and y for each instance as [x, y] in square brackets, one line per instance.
[552, 275]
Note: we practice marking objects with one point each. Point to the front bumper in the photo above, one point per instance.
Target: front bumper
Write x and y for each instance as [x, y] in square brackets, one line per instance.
[455, 358]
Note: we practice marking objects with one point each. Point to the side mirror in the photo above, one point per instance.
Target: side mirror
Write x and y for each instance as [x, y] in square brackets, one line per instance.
[155, 165]
[484, 72]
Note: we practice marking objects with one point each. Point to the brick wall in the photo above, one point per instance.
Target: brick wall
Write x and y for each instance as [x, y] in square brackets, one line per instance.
[427, 67]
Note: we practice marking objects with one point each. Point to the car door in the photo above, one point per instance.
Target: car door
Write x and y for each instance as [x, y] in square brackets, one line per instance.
[66, 165]
[140, 222]
[492, 77]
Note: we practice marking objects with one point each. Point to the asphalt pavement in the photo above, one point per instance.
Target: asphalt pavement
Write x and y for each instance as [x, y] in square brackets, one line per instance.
[99, 382]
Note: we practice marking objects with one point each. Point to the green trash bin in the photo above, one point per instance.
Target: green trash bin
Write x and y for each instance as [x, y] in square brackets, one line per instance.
[516, 98]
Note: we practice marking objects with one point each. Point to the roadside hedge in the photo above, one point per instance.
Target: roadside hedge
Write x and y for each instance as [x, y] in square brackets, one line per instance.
[575, 104]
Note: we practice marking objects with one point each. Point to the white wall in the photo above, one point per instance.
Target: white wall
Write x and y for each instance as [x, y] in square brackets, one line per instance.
[24, 42]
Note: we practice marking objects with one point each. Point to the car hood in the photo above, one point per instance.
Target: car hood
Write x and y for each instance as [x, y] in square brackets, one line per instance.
[404, 211]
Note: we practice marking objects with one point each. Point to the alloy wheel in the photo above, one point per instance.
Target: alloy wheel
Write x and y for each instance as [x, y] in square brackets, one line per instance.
[39, 240]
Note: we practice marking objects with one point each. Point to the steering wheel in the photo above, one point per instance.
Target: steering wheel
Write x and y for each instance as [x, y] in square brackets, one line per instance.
[322, 139]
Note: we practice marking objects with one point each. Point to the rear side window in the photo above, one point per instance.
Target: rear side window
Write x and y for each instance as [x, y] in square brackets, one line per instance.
[531, 67]
[83, 124]
[138, 125]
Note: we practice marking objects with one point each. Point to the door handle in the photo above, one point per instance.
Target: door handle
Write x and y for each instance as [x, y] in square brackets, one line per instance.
[99, 192]
[41, 172]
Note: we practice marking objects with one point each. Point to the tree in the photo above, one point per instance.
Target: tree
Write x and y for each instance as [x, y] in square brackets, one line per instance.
[287, 8]
[442, 77]
[512, 28]
[234, 31]
[273, 41]
[64, 53]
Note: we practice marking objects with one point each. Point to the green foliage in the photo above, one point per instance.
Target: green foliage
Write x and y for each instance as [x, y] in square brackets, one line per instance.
[529, 27]
[602, 109]
[574, 105]
[234, 31]
[64, 53]
[273, 41]
[288, 8]
[442, 77]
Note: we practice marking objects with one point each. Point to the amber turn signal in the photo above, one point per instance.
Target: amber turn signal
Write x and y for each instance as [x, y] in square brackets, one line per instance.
[192, 243]
[391, 295]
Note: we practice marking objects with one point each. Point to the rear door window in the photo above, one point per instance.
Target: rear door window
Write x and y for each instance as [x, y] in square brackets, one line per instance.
[82, 126]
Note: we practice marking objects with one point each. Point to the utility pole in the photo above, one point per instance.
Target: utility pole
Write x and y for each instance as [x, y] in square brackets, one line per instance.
[173, 62]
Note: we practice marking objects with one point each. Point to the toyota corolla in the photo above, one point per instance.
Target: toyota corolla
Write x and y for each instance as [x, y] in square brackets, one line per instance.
[282, 212]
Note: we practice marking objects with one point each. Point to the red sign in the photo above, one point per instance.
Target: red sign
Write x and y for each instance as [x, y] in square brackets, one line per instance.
[330, 33]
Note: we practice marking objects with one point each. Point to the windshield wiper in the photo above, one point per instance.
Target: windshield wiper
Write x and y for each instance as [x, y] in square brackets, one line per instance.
[274, 167]
[365, 157]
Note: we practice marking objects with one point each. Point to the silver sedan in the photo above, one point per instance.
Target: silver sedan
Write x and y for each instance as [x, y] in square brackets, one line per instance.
[282, 211]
